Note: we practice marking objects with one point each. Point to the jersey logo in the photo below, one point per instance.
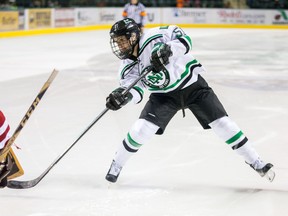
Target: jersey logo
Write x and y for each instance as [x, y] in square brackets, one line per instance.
[157, 80]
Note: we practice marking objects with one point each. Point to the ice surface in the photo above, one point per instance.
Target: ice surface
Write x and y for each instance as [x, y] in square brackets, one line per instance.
[185, 172]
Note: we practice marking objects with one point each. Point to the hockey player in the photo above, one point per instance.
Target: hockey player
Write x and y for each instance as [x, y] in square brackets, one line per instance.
[136, 11]
[175, 84]
[9, 165]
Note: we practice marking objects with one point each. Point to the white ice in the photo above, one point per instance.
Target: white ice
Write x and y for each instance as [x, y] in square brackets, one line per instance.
[186, 172]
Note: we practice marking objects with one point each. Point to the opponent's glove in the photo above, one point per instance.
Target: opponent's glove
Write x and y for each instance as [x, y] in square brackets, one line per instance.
[5, 168]
[160, 56]
[116, 99]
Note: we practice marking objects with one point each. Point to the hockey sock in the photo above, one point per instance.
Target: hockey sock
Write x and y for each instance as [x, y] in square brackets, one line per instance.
[228, 131]
[140, 133]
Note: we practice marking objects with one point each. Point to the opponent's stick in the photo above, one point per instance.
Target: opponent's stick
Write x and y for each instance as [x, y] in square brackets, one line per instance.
[28, 114]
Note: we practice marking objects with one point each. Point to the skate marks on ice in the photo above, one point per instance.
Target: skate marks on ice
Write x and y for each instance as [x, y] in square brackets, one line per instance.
[152, 198]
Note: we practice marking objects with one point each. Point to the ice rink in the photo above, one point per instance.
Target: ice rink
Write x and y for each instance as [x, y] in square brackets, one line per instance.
[186, 172]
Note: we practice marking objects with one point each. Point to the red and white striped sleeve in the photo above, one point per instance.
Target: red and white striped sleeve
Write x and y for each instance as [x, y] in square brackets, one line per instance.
[4, 130]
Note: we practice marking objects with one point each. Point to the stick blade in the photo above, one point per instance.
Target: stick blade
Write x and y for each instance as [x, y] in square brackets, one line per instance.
[22, 184]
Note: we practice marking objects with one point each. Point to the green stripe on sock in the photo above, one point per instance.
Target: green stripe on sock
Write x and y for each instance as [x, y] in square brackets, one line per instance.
[132, 142]
[234, 138]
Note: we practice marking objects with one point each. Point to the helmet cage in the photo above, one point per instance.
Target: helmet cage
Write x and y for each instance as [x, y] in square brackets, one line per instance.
[124, 35]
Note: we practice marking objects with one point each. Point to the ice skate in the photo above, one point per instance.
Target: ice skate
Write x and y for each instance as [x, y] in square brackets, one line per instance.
[113, 172]
[266, 171]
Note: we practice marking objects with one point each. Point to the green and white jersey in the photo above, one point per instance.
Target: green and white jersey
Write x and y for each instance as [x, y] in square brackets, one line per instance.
[182, 70]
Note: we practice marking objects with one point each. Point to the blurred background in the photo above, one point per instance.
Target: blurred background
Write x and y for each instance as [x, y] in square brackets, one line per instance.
[239, 4]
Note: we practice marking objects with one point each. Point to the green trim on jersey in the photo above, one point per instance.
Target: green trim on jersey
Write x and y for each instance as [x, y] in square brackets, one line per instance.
[234, 138]
[132, 142]
[189, 41]
[140, 90]
[164, 27]
[183, 76]
[148, 41]
[127, 67]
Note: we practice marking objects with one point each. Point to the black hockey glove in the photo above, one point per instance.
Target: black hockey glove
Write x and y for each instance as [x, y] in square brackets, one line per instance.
[5, 168]
[116, 99]
[160, 56]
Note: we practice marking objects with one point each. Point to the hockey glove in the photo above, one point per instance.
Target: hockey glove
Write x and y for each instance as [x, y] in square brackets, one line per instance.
[160, 56]
[116, 99]
[5, 168]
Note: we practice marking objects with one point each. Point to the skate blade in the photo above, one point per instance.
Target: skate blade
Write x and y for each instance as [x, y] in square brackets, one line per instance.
[270, 175]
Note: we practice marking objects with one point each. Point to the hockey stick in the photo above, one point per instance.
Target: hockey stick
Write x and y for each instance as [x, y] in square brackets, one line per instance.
[28, 114]
[31, 183]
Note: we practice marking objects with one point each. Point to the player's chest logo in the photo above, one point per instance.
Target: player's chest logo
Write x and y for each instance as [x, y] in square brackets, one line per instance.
[157, 80]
